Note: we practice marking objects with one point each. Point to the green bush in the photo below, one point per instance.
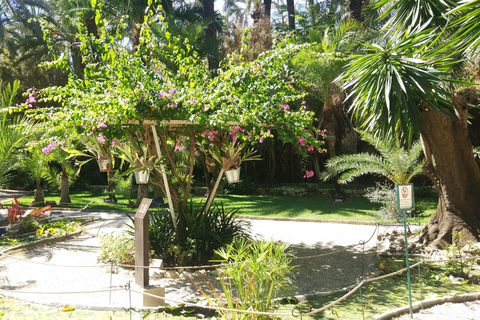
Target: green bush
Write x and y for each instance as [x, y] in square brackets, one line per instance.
[209, 231]
[118, 248]
[205, 233]
[254, 275]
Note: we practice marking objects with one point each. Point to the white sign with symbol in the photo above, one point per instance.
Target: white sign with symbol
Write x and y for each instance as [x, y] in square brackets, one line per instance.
[404, 197]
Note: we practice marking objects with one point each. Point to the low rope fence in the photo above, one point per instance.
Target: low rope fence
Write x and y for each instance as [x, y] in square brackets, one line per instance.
[354, 287]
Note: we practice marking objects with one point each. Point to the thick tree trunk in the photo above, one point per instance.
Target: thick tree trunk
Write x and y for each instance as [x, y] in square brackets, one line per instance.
[456, 176]
[38, 196]
[291, 14]
[64, 188]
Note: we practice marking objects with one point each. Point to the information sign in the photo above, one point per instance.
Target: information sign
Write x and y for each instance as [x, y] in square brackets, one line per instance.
[405, 199]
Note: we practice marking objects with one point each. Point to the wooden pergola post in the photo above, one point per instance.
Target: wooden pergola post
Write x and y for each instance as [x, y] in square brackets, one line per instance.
[164, 175]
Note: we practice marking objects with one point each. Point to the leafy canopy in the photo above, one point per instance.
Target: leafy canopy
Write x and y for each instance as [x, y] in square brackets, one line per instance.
[168, 81]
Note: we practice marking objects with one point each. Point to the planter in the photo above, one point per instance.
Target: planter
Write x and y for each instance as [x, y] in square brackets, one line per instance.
[141, 176]
[105, 165]
[233, 176]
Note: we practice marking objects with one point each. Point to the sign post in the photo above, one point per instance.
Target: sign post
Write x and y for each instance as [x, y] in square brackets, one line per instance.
[406, 202]
[142, 246]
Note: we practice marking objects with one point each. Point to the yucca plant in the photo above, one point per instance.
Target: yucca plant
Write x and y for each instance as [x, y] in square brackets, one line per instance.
[397, 164]
[254, 275]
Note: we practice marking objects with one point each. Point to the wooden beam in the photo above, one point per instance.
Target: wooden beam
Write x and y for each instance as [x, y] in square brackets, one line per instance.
[165, 181]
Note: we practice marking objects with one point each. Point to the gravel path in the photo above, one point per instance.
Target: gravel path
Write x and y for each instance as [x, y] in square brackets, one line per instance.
[47, 268]
[329, 257]
[448, 311]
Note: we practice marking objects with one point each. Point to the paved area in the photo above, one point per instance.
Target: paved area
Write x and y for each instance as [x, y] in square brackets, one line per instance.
[48, 274]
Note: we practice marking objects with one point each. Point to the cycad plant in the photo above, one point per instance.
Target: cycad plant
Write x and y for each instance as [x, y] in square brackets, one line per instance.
[397, 164]
[394, 162]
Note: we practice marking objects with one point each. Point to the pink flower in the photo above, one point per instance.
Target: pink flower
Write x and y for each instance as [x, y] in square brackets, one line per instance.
[31, 99]
[114, 142]
[308, 174]
[302, 141]
[310, 148]
[102, 125]
[101, 138]
[261, 140]
[141, 96]
[234, 139]
[172, 91]
[46, 149]
[84, 126]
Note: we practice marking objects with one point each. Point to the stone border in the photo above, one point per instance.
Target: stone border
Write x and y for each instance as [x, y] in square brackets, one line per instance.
[42, 241]
[427, 304]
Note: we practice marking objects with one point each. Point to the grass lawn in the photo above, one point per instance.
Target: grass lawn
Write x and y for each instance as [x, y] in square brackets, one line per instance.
[357, 209]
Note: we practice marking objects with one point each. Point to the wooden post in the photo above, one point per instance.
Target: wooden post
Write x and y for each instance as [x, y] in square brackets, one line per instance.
[165, 181]
[142, 245]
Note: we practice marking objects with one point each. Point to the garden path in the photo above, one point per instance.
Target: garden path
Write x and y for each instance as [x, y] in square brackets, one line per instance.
[71, 265]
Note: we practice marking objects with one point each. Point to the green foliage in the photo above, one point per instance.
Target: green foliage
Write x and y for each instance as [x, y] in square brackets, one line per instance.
[254, 275]
[122, 185]
[397, 164]
[118, 248]
[208, 231]
[389, 81]
[461, 268]
[384, 194]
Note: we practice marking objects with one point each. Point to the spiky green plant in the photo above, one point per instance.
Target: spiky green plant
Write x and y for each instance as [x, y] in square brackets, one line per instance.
[397, 164]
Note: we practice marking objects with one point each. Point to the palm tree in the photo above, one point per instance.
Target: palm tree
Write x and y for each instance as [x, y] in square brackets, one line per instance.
[35, 164]
[397, 164]
[401, 86]
[60, 158]
[14, 131]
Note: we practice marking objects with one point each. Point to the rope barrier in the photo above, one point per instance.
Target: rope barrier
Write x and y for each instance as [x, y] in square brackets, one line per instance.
[66, 292]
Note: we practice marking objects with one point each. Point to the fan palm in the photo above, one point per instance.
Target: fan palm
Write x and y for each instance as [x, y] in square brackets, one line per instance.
[397, 164]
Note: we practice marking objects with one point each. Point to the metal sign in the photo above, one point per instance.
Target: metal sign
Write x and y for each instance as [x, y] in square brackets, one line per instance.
[405, 199]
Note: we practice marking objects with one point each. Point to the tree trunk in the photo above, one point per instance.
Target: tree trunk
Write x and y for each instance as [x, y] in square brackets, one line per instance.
[456, 177]
[141, 193]
[291, 14]
[211, 35]
[64, 188]
[356, 10]
[267, 8]
[38, 196]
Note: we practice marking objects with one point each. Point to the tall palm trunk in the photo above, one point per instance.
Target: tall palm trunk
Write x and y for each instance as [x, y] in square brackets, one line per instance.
[211, 35]
[291, 14]
[64, 188]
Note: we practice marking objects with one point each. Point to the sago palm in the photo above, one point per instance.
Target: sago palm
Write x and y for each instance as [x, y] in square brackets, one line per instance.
[397, 164]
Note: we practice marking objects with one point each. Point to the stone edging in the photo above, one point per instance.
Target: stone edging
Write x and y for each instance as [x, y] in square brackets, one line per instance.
[369, 223]
[427, 304]
[42, 241]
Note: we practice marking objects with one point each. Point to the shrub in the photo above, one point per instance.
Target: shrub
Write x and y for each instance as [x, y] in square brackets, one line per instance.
[209, 231]
[118, 248]
[205, 233]
[384, 194]
[254, 275]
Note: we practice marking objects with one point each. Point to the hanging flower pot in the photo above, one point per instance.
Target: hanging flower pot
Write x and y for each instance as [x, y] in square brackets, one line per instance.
[141, 176]
[105, 164]
[233, 176]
